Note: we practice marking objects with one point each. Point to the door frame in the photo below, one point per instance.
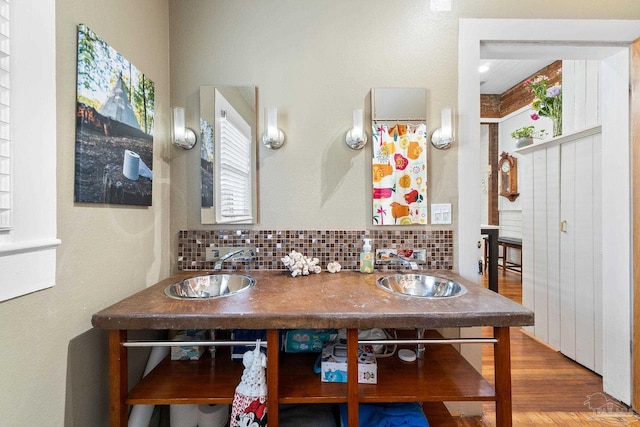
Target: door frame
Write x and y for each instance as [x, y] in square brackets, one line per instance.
[585, 39]
[635, 142]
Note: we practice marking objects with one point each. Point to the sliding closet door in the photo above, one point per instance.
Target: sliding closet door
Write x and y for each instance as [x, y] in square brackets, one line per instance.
[568, 251]
[580, 255]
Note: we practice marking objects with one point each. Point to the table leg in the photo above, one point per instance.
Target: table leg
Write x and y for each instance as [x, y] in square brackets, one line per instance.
[273, 403]
[118, 377]
[492, 268]
[352, 378]
[505, 255]
[502, 366]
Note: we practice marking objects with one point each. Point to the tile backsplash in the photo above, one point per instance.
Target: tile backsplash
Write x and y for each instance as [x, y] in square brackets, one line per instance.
[343, 246]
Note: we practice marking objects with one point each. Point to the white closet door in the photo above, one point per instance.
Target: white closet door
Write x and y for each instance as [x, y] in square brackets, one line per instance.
[597, 252]
[580, 258]
[540, 266]
[526, 183]
[553, 246]
[567, 250]
[585, 312]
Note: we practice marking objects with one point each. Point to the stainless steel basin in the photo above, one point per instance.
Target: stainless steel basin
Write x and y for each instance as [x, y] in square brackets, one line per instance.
[210, 286]
[421, 285]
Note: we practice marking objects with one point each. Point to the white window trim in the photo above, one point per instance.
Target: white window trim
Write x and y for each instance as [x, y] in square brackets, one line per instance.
[5, 119]
[28, 249]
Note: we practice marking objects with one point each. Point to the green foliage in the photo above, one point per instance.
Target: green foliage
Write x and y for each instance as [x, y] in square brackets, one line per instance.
[528, 132]
[100, 66]
[142, 99]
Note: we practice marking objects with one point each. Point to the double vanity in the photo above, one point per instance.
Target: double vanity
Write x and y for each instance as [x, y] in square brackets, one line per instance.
[275, 301]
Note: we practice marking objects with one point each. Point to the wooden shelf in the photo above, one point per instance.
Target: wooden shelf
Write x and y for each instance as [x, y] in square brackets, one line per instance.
[443, 375]
[558, 140]
[204, 381]
[298, 384]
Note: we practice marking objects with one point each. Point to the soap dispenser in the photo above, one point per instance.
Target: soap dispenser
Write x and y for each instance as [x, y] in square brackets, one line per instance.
[366, 257]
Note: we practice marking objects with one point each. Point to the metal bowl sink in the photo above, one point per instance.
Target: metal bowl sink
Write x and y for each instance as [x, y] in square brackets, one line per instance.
[421, 285]
[210, 286]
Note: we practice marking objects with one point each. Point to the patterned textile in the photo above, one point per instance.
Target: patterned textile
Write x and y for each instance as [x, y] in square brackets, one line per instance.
[249, 408]
[399, 172]
[249, 411]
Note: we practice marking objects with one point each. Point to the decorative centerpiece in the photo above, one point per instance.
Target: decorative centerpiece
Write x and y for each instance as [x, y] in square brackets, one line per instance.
[301, 265]
[547, 101]
[525, 135]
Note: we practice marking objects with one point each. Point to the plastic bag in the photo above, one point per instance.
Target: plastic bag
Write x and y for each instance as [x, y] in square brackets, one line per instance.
[307, 340]
[368, 334]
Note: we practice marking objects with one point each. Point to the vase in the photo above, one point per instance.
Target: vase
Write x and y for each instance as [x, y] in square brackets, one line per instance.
[523, 142]
[557, 125]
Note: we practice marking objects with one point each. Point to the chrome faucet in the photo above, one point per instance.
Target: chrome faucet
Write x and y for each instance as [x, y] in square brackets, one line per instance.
[248, 254]
[399, 259]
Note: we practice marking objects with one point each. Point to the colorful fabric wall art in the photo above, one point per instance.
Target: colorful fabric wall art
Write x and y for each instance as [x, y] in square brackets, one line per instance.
[399, 174]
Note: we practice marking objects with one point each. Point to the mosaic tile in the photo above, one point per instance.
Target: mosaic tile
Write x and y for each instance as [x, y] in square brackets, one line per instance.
[343, 246]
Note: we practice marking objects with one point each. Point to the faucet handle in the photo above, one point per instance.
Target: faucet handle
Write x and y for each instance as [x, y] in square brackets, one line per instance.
[406, 257]
[248, 254]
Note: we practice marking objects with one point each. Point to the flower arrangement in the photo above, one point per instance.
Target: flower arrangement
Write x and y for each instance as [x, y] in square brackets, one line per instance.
[547, 100]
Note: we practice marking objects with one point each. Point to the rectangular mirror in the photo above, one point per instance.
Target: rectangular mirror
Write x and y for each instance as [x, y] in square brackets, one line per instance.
[228, 128]
[399, 163]
[398, 104]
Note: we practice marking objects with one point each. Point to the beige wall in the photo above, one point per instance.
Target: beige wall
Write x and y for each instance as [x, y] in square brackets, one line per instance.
[53, 363]
[316, 61]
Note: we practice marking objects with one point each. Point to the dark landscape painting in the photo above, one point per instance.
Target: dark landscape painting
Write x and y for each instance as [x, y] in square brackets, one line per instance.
[114, 126]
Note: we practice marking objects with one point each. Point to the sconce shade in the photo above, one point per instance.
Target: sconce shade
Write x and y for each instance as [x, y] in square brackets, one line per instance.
[272, 137]
[446, 126]
[181, 135]
[443, 137]
[356, 139]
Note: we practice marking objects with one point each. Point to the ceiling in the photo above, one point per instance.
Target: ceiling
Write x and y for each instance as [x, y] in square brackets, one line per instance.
[506, 73]
[507, 68]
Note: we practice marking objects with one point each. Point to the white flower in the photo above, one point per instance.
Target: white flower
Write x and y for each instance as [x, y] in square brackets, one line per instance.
[334, 267]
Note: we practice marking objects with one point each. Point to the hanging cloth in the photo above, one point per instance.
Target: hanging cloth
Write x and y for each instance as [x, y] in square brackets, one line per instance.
[399, 172]
[249, 407]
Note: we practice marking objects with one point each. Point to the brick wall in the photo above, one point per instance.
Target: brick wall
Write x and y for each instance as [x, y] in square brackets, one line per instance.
[500, 105]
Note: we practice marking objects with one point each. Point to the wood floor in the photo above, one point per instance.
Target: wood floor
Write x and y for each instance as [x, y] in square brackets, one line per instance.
[547, 388]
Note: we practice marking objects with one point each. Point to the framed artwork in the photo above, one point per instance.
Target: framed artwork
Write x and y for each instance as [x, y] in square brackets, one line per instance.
[114, 126]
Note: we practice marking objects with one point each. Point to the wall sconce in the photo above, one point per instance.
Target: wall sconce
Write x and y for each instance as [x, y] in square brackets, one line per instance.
[181, 135]
[356, 138]
[442, 138]
[272, 137]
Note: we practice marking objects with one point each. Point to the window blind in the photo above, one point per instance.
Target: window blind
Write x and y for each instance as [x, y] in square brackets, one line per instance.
[235, 171]
[5, 137]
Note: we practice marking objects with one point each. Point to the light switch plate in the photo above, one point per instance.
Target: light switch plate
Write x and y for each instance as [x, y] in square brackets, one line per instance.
[441, 213]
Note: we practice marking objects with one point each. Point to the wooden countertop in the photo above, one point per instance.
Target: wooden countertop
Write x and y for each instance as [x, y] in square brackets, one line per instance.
[342, 300]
